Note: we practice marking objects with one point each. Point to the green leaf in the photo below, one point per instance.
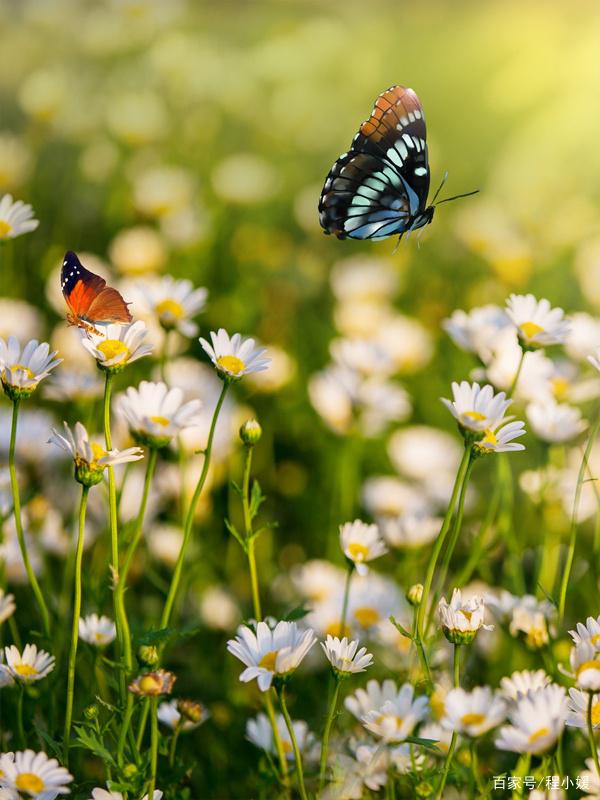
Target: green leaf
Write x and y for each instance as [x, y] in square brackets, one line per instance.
[237, 488]
[548, 596]
[257, 498]
[401, 629]
[89, 740]
[266, 527]
[299, 612]
[155, 637]
[236, 534]
[54, 746]
[430, 744]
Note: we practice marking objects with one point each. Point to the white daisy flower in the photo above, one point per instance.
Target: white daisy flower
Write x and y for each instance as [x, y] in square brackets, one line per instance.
[115, 345]
[362, 355]
[269, 653]
[521, 682]
[473, 713]
[22, 369]
[372, 697]
[34, 775]
[98, 631]
[345, 657]
[6, 678]
[260, 733]
[537, 323]
[476, 408]
[90, 458]
[538, 719]
[583, 337]
[318, 580]
[107, 794]
[234, 356]
[476, 331]
[156, 414]
[578, 709]
[585, 665]
[595, 359]
[373, 599]
[30, 665]
[169, 714]
[500, 439]
[7, 605]
[555, 422]
[588, 632]
[74, 384]
[174, 303]
[360, 543]
[388, 496]
[409, 530]
[16, 218]
[461, 620]
[441, 736]
[525, 615]
[398, 716]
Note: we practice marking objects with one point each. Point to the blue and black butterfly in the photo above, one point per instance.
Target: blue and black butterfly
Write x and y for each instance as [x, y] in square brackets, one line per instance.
[379, 187]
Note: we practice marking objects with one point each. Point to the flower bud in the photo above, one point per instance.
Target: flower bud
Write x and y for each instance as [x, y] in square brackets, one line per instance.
[250, 432]
[129, 770]
[91, 712]
[192, 711]
[148, 654]
[414, 594]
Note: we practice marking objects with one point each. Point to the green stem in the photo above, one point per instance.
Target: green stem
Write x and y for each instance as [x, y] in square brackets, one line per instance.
[590, 730]
[455, 528]
[142, 728]
[114, 535]
[573, 533]
[250, 552]
[346, 599]
[153, 745]
[327, 732]
[189, 519]
[296, 749]
[174, 738]
[451, 749]
[517, 374]
[120, 595]
[18, 522]
[439, 542]
[75, 626]
[20, 729]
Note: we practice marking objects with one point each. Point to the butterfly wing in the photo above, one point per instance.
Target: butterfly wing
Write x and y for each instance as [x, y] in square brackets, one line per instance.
[87, 295]
[378, 187]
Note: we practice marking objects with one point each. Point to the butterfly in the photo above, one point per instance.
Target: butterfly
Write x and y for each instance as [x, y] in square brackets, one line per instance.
[379, 187]
[89, 299]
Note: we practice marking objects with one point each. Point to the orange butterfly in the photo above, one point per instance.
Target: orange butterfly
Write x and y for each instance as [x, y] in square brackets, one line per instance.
[89, 299]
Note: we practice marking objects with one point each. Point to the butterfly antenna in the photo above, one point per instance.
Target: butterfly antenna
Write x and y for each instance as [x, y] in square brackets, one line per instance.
[456, 197]
[439, 189]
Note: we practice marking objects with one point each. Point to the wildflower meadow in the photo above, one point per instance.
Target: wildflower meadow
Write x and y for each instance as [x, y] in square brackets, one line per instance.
[286, 515]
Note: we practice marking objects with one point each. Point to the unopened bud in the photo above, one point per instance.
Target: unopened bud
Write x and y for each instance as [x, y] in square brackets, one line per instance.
[414, 594]
[148, 654]
[250, 432]
[129, 770]
[91, 712]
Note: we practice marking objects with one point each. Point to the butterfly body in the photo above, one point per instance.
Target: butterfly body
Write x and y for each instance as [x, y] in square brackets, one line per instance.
[89, 300]
[379, 187]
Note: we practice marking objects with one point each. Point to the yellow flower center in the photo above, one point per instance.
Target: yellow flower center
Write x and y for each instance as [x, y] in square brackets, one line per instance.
[170, 309]
[466, 614]
[367, 616]
[538, 734]
[472, 719]
[595, 638]
[475, 415]
[587, 665]
[287, 746]
[21, 368]
[531, 329]
[560, 387]
[97, 450]
[25, 670]
[111, 348]
[268, 660]
[28, 782]
[596, 713]
[150, 684]
[99, 637]
[160, 421]
[438, 706]
[489, 438]
[231, 364]
[336, 629]
[5, 228]
[358, 552]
